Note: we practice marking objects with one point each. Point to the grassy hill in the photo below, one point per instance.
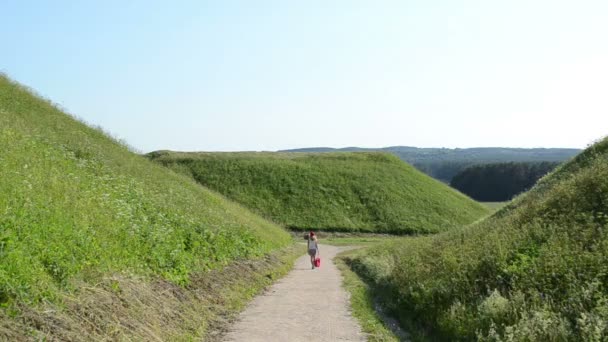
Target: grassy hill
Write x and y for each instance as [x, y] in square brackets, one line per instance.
[537, 270]
[77, 209]
[445, 163]
[365, 192]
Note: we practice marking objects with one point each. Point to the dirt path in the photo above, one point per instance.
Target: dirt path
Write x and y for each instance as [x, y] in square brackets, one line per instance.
[306, 305]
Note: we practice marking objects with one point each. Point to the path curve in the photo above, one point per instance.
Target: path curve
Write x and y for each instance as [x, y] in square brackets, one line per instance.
[307, 305]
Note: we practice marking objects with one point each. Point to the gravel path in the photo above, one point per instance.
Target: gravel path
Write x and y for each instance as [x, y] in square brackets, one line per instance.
[307, 305]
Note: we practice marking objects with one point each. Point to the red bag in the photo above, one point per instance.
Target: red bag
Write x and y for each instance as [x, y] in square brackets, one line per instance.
[317, 262]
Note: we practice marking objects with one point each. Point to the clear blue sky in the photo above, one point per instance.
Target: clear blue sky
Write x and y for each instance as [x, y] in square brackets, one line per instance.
[266, 75]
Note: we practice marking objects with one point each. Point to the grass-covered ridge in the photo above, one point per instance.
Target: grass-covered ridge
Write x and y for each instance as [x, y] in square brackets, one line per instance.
[76, 206]
[537, 270]
[367, 192]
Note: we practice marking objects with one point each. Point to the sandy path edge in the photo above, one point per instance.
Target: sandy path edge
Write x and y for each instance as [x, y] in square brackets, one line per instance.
[306, 305]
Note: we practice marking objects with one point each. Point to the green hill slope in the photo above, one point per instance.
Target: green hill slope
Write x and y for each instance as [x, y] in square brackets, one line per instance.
[445, 163]
[369, 192]
[76, 207]
[537, 270]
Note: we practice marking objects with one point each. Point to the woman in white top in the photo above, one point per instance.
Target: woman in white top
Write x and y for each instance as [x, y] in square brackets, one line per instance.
[313, 248]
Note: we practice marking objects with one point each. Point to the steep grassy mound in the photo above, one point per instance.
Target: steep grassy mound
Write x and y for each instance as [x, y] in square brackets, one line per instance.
[537, 270]
[370, 192]
[75, 207]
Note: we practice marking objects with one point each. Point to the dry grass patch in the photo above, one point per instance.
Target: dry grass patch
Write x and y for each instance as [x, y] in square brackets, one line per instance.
[129, 308]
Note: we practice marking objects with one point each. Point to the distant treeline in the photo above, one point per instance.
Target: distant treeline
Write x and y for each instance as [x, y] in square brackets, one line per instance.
[501, 181]
[446, 170]
[444, 163]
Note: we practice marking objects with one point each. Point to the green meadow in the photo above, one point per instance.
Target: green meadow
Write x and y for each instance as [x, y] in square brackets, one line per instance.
[97, 241]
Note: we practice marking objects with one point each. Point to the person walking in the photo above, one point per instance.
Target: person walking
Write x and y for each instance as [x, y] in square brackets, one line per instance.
[313, 248]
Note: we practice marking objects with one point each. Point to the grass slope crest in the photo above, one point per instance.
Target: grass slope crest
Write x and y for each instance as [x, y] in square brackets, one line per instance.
[356, 191]
[77, 207]
[537, 270]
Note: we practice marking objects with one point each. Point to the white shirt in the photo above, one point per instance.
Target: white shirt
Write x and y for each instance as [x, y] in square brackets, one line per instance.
[312, 244]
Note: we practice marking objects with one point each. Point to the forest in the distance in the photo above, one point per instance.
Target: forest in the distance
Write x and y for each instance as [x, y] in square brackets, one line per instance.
[501, 181]
[445, 163]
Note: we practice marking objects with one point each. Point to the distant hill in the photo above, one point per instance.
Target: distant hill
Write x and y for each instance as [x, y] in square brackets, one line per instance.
[534, 271]
[445, 163]
[369, 192]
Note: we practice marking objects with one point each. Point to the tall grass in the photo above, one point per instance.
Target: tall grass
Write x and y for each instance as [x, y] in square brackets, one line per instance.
[76, 205]
[537, 270]
[365, 192]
